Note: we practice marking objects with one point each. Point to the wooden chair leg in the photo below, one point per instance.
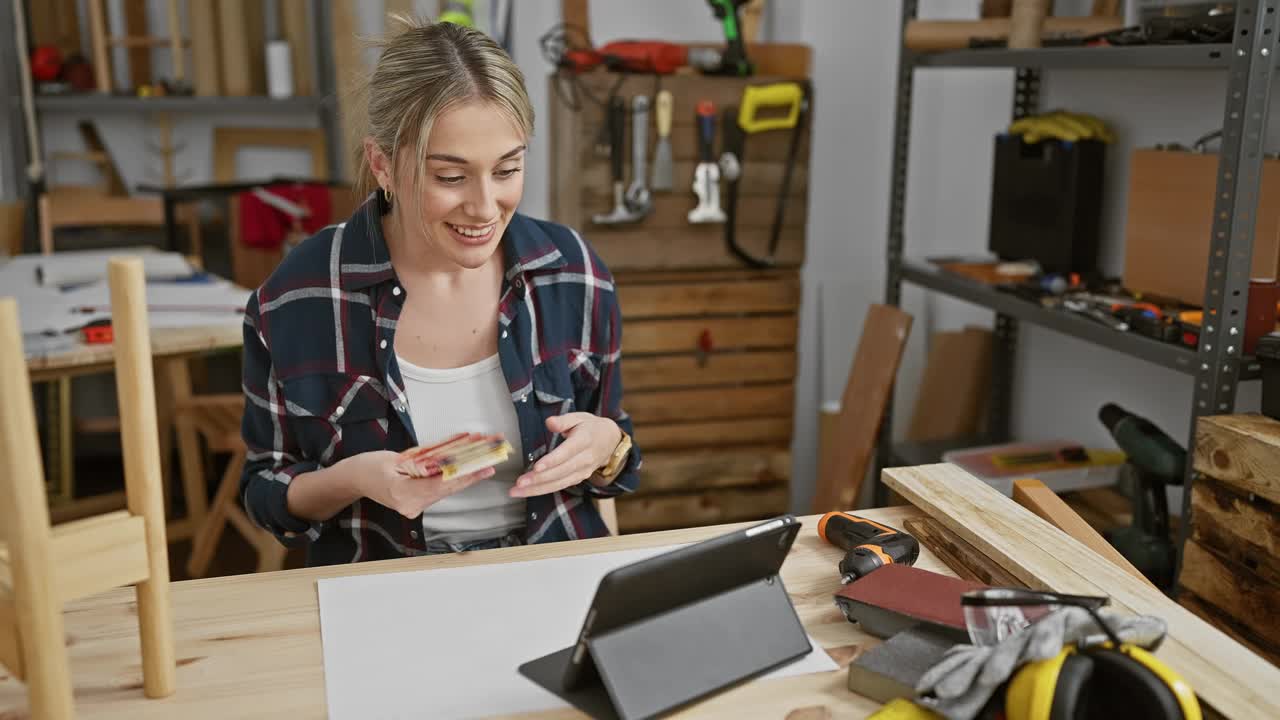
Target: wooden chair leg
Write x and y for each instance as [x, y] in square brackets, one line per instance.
[608, 509]
[24, 518]
[144, 483]
[210, 530]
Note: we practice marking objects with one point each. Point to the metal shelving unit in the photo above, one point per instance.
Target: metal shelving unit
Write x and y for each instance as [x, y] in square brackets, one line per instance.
[1218, 364]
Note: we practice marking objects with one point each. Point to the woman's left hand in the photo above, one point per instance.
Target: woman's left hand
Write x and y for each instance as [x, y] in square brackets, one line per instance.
[589, 440]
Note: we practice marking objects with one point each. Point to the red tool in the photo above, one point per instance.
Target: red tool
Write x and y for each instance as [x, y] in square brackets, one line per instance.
[867, 544]
[637, 56]
[97, 332]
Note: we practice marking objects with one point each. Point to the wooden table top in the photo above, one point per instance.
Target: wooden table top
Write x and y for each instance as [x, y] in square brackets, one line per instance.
[165, 342]
[248, 646]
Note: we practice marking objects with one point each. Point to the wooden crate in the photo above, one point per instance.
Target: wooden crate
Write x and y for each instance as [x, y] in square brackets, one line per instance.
[1231, 563]
[709, 345]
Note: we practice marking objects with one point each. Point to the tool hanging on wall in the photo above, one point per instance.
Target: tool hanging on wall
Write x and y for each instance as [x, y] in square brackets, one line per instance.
[734, 61]
[706, 177]
[757, 114]
[637, 197]
[617, 122]
[662, 153]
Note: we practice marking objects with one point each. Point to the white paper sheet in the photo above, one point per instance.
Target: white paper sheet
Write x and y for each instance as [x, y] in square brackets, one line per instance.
[447, 643]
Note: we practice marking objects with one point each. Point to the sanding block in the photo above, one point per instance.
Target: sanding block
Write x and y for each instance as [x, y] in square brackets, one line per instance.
[896, 597]
[891, 669]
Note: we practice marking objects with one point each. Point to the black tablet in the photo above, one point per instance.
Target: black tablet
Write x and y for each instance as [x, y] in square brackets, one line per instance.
[720, 599]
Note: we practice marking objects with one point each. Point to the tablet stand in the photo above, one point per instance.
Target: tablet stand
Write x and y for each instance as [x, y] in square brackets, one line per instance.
[669, 659]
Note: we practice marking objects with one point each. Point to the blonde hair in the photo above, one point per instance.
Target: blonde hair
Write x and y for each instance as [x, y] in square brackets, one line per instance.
[426, 68]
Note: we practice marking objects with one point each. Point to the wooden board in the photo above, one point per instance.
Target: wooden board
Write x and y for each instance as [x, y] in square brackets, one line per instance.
[727, 433]
[1041, 500]
[1242, 451]
[726, 333]
[55, 22]
[717, 403]
[713, 469]
[639, 513]
[234, 51]
[1226, 675]
[698, 294]
[953, 391]
[1243, 531]
[207, 71]
[634, 247]
[1228, 625]
[967, 561]
[1234, 588]
[866, 394]
[139, 58]
[673, 371]
[293, 22]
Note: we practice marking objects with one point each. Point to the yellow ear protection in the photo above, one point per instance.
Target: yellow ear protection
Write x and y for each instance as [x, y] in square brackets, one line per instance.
[1106, 680]
[1100, 682]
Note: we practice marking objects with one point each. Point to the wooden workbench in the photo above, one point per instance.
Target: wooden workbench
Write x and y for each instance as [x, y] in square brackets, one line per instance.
[249, 646]
[166, 344]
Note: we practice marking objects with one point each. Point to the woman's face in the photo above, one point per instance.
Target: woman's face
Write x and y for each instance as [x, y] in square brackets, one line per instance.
[472, 183]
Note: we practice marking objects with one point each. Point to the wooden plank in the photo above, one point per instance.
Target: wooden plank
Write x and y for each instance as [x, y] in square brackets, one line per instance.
[10, 642]
[1242, 451]
[568, 178]
[688, 470]
[80, 211]
[207, 72]
[686, 435]
[768, 293]
[1228, 625]
[1232, 587]
[967, 561]
[660, 512]
[293, 22]
[1039, 499]
[348, 65]
[953, 390]
[671, 210]
[660, 336]
[722, 403]
[1107, 508]
[1243, 531]
[234, 50]
[55, 22]
[98, 554]
[866, 395]
[1225, 674]
[632, 247]
[673, 371]
[110, 170]
[139, 58]
[760, 179]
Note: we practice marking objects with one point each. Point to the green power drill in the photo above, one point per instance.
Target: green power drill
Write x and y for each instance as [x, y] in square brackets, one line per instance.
[734, 61]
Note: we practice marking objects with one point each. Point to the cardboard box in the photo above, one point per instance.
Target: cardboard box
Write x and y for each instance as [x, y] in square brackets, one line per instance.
[1170, 221]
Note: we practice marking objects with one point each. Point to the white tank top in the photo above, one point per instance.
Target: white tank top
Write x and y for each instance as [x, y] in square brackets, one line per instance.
[472, 398]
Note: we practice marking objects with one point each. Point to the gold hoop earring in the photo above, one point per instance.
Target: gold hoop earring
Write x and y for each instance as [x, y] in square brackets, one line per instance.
[389, 194]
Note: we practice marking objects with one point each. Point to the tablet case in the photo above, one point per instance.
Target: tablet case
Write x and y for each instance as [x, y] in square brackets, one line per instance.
[668, 660]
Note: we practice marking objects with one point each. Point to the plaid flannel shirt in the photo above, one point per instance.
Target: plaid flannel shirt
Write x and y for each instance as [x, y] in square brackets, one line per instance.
[321, 380]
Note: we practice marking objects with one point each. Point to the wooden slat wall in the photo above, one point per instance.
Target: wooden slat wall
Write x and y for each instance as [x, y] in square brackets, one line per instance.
[709, 345]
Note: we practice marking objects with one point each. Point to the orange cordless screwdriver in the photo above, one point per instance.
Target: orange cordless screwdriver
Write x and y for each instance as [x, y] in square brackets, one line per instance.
[867, 544]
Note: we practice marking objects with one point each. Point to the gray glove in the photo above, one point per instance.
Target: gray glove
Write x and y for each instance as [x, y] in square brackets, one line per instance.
[968, 675]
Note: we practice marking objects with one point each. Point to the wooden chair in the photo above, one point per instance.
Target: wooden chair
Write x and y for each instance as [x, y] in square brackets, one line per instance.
[843, 465]
[216, 418]
[42, 567]
[608, 509]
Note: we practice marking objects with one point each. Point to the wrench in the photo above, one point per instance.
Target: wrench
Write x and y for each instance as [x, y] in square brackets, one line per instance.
[638, 198]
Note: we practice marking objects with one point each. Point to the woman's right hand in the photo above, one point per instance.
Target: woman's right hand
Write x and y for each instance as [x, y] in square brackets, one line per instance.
[376, 476]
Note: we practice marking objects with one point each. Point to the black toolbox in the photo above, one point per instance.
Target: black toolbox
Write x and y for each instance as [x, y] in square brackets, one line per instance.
[1268, 353]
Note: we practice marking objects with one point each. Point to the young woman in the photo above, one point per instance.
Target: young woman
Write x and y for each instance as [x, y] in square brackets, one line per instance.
[435, 309]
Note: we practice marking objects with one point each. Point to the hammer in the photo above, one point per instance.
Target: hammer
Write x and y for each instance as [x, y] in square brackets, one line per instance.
[621, 212]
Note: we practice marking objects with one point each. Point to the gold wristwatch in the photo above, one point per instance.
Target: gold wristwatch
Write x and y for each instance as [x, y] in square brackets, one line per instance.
[617, 460]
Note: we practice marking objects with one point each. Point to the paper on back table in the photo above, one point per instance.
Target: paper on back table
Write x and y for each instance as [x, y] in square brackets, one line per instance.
[446, 643]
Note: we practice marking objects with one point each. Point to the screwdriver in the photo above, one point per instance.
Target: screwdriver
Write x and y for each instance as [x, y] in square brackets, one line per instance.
[867, 544]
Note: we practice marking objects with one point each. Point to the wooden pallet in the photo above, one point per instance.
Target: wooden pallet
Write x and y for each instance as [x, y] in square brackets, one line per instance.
[1231, 563]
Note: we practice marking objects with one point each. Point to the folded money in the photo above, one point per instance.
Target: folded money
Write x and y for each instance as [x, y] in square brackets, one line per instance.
[462, 454]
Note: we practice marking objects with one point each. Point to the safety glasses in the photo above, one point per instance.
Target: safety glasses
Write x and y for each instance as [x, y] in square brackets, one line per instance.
[993, 614]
